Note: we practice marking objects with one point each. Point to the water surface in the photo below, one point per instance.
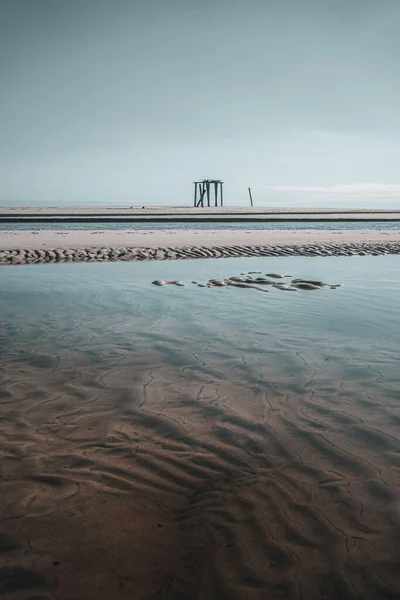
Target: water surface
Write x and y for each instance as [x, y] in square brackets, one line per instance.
[296, 225]
[201, 443]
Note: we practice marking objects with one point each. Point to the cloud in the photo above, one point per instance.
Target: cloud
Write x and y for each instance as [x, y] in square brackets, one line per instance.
[342, 192]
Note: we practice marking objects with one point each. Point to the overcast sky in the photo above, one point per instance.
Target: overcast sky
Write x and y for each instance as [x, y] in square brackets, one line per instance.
[130, 101]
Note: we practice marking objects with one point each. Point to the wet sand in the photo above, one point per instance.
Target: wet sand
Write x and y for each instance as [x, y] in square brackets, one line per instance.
[142, 480]
[176, 455]
[20, 247]
[169, 454]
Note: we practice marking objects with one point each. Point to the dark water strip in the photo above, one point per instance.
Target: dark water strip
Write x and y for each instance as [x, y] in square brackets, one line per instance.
[90, 224]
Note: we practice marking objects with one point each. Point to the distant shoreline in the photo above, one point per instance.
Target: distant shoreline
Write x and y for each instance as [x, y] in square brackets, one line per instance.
[190, 214]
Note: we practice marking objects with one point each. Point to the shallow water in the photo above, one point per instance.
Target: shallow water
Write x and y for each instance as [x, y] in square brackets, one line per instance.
[201, 443]
[296, 225]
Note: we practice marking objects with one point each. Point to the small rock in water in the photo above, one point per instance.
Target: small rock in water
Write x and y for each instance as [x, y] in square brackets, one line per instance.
[317, 283]
[218, 282]
[159, 282]
[239, 284]
[263, 281]
[301, 285]
[312, 281]
[283, 286]
[276, 275]
[166, 282]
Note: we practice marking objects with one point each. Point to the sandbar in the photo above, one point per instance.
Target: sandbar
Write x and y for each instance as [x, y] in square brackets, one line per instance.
[80, 238]
[21, 247]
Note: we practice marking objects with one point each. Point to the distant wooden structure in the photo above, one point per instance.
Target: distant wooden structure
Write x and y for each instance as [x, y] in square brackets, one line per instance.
[203, 192]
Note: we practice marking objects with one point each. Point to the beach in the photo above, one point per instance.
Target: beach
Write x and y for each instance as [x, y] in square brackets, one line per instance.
[199, 300]
[21, 247]
[194, 443]
[52, 245]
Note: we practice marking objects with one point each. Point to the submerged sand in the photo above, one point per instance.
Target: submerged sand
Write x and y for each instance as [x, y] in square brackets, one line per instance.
[212, 476]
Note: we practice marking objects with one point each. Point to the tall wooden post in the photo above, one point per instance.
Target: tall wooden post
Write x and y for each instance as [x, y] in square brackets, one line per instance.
[251, 197]
[208, 193]
[195, 194]
[222, 198]
[202, 193]
[215, 193]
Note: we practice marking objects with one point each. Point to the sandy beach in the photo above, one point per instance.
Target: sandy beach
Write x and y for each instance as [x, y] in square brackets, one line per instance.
[183, 238]
[20, 247]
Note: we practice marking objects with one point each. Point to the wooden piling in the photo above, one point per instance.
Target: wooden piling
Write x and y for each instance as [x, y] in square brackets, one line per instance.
[195, 194]
[251, 198]
[216, 193]
[203, 191]
[208, 193]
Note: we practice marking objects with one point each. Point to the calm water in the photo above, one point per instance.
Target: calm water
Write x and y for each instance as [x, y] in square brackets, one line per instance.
[341, 226]
[366, 306]
[266, 422]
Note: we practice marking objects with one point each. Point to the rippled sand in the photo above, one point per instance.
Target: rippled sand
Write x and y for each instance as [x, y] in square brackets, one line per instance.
[165, 454]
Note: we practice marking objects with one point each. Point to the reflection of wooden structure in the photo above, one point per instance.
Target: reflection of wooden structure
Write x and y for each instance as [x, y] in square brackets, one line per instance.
[203, 191]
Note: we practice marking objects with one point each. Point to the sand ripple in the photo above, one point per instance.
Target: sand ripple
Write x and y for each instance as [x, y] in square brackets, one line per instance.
[228, 468]
[21, 256]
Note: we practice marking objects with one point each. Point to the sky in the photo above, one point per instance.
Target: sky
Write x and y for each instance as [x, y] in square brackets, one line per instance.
[127, 102]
